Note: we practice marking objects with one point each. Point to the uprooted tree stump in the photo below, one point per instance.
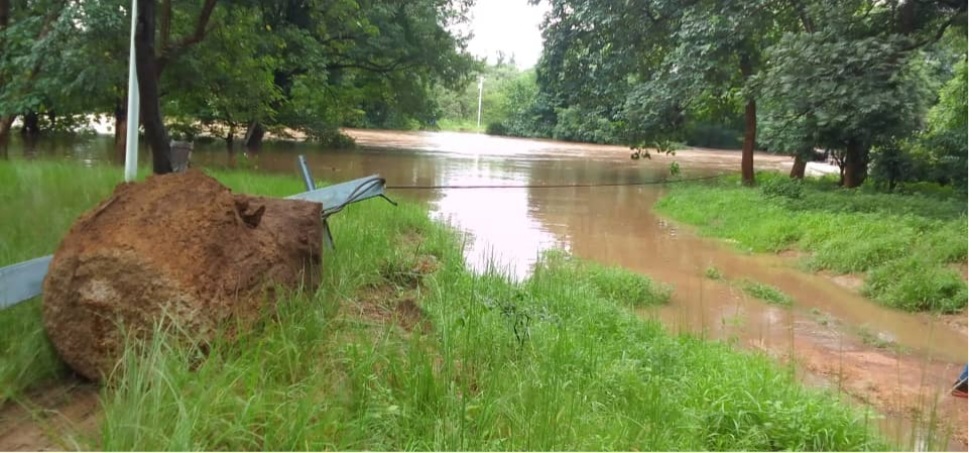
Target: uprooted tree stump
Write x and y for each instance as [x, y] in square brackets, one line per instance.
[179, 248]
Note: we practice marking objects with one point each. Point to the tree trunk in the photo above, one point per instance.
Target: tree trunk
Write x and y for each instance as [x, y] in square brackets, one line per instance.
[749, 137]
[148, 88]
[254, 136]
[52, 117]
[6, 123]
[799, 169]
[30, 146]
[855, 165]
[121, 131]
[229, 136]
[4, 13]
[31, 126]
[749, 144]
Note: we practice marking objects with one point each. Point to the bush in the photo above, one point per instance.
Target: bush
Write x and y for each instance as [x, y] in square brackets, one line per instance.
[496, 128]
[782, 187]
[707, 135]
[334, 140]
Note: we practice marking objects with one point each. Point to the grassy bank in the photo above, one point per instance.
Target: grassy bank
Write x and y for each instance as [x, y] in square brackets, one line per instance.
[452, 125]
[906, 246]
[402, 348]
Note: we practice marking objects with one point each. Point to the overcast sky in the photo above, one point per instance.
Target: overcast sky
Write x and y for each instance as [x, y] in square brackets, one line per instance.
[512, 26]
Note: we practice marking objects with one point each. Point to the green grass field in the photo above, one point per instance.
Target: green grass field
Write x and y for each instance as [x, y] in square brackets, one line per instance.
[403, 348]
[905, 245]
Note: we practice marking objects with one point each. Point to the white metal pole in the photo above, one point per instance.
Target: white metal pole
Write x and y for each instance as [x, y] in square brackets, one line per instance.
[479, 116]
[131, 143]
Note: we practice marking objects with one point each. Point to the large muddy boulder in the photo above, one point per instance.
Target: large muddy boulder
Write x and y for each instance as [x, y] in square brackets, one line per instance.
[180, 245]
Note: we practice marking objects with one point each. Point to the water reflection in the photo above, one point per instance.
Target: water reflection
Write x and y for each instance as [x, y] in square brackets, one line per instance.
[494, 217]
[614, 225]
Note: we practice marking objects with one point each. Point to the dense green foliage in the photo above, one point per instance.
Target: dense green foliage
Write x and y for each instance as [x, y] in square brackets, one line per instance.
[508, 97]
[304, 66]
[855, 78]
[905, 245]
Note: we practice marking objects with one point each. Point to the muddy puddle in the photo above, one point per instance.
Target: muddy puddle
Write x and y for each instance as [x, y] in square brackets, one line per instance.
[900, 364]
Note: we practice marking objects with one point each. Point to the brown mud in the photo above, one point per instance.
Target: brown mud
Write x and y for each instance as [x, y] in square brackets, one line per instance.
[54, 417]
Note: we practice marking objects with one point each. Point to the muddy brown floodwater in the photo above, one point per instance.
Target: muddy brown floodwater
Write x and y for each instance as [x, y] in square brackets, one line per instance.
[900, 364]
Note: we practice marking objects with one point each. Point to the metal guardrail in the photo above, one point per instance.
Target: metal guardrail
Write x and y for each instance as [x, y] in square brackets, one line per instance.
[23, 281]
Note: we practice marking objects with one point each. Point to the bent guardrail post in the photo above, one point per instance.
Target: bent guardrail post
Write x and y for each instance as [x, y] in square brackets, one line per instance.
[24, 281]
[310, 186]
[305, 172]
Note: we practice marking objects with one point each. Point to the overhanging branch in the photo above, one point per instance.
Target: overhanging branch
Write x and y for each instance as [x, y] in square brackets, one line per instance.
[171, 52]
[939, 33]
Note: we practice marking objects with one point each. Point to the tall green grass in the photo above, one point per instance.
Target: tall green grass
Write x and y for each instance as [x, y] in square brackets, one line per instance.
[904, 243]
[38, 204]
[556, 362]
[39, 201]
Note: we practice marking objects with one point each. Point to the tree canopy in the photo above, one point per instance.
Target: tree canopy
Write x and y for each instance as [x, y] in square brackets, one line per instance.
[876, 83]
[237, 66]
[793, 77]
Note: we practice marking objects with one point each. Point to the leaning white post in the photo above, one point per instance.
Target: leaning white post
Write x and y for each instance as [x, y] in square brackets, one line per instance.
[131, 142]
[479, 115]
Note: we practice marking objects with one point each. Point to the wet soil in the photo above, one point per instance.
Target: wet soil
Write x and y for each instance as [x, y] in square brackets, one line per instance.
[54, 417]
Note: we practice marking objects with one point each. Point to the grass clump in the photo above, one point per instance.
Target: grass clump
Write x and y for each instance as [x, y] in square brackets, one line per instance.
[612, 283]
[39, 201]
[766, 292]
[713, 273]
[876, 340]
[903, 242]
[27, 357]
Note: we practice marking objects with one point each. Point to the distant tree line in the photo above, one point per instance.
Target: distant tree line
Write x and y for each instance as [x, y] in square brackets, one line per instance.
[878, 84]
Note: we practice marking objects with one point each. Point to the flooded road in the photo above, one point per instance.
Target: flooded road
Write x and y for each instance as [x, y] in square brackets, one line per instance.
[828, 333]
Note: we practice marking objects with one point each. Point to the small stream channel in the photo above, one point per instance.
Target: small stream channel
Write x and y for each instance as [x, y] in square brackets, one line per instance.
[616, 225]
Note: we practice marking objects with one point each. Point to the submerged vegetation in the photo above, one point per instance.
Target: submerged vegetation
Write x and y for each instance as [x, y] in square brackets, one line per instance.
[906, 244]
[402, 347]
[766, 292]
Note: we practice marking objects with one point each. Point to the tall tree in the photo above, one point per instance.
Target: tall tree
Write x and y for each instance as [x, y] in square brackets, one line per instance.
[850, 80]
[6, 120]
[27, 38]
[658, 65]
[336, 59]
[151, 61]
